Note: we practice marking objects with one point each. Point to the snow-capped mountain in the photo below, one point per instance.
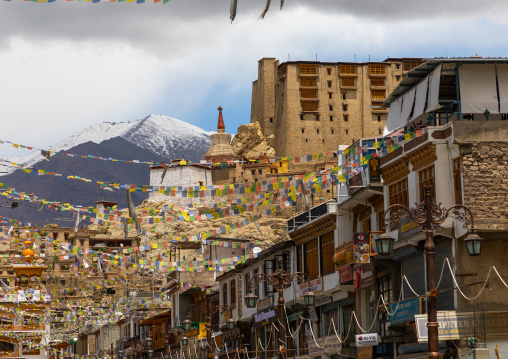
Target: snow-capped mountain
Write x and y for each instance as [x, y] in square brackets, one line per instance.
[162, 135]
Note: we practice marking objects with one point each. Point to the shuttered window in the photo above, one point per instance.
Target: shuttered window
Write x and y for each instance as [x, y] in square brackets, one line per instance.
[312, 259]
[327, 252]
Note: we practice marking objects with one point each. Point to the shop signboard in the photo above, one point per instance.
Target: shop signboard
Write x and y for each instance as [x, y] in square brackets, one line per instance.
[374, 170]
[265, 316]
[265, 303]
[345, 274]
[328, 345]
[453, 325]
[313, 315]
[364, 353]
[355, 183]
[364, 276]
[405, 311]
[407, 228]
[362, 247]
[323, 300]
[367, 340]
[315, 285]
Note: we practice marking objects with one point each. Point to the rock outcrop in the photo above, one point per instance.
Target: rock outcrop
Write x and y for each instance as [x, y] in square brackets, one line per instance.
[250, 142]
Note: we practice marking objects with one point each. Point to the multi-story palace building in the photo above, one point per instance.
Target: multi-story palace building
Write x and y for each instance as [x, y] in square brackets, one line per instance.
[312, 107]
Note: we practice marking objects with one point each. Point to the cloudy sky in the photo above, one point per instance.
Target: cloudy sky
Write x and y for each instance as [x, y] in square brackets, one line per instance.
[67, 65]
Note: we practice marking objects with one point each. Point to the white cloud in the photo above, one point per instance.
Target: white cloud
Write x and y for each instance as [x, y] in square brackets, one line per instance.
[68, 65]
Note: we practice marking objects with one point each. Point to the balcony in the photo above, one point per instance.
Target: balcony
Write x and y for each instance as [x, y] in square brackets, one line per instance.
[317, 218]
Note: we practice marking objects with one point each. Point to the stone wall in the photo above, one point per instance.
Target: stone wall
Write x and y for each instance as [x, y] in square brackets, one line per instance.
[485, 183]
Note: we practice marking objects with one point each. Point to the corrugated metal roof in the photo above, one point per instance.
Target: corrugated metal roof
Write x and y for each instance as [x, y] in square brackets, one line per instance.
[419, 73]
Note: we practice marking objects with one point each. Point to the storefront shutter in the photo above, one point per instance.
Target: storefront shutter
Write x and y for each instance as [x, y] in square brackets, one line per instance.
[446, 300]
[329, 307]
[413, 267]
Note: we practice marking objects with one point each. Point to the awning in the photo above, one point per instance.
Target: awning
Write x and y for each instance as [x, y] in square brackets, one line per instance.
[478, 90]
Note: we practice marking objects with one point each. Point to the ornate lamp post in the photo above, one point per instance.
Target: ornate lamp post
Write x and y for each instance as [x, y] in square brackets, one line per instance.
[428, 216]
[280, 280]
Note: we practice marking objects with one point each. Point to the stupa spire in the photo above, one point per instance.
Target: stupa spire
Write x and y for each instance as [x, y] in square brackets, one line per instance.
[220, 124]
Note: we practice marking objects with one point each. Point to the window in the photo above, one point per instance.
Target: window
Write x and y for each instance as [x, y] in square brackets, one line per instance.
[260, 171]
[269, 265]
[299, 259]
[398, 194]
[409, 65]
[317, 130]
[327, 252]
[301, 117]
[344, 108]
[312, 259]
[62, 282]
[323, 140]
[329, 84]
[379, 131]
[271, 119]
[347, 132]
[327, 328]
[347, 69]
[308, 82]
[253, 172]
[303, 130]
[397, 78]
[378, 118]
[457, 181]
[426, 178]
[348, 81]
[385, 288]
[332, 131]
[377, 69]
[233, 294]
[225, 293]
[329, 71]
[330, 94]
[331, 118]
[397, 66]
[346, 118]
[308, 69]
[344, 95]
[309, 105]
[256, 286]
[306, 140]
[330, 107]
[377, 82]
[247, 283]
[309, 93]
[347, 317]
[378, 94]
[317, 117]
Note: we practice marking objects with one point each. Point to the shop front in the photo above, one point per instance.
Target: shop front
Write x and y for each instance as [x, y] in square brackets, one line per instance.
[265, 328]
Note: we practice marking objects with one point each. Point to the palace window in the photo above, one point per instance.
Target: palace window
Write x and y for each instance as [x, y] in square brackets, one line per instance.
[308, 69]
[308, 82]
[348, 81]
[329, 71]
[309, 105]
[378, 94]
[347, 69]
[377, 69]
[309, 93]
[377, 82]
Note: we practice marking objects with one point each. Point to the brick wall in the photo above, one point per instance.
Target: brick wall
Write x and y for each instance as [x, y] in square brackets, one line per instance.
[485, 183]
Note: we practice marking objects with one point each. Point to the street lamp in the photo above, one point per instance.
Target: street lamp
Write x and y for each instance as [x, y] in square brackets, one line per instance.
[149, 342]
[428, 215]
[150, 353]
[185, 341]
[251, 300]
[473, 244]
[280, 280]
[187, 324]
[384, 244]
[230, 323]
